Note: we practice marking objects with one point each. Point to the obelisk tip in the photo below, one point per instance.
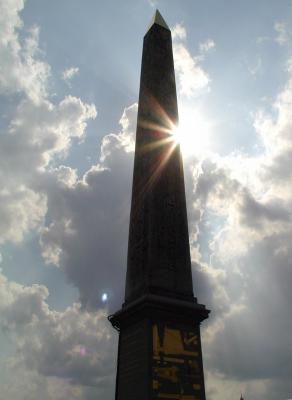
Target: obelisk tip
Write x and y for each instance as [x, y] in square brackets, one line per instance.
[159, 20]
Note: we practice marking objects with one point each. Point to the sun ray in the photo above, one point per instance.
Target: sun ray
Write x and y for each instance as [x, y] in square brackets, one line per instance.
[163, 130]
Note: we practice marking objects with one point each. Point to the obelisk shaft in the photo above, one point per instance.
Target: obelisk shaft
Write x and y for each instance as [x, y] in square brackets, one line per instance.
[160, 355]
[158, 250]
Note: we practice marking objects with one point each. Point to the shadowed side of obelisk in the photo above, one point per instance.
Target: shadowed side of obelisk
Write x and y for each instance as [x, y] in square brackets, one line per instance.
[158, 250]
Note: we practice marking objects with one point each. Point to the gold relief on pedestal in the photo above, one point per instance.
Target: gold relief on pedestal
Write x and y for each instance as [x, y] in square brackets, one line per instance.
[176, 365]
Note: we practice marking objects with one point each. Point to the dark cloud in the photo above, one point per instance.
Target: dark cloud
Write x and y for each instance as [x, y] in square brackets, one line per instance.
[245, 281]
[255, 214]
[88, 232]
[254, 340]
[279, 168]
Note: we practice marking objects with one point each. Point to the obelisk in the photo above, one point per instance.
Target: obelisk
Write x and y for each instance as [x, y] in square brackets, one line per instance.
[159, 354]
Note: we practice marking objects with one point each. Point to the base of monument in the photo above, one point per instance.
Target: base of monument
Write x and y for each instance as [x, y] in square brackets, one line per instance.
[160, 352]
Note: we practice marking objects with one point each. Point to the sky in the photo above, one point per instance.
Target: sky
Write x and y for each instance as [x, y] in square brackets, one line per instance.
[69, 84]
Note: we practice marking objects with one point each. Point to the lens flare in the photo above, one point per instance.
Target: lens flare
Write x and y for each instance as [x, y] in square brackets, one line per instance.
[104, 297]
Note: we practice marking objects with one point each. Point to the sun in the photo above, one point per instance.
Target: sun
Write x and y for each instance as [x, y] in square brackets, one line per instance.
[193, 132]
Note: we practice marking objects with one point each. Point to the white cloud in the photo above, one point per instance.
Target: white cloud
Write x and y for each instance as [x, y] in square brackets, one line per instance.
[282, 35]
[37, 133]
[256, 67]
[69, 73]
[289, 65]
[275, 132]
[21, 210]
[38, 130]
[124, 140]
[21, 70]
[46, 129]
[179, 32]
[207, 45]
[190, 75]
[153, 3]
